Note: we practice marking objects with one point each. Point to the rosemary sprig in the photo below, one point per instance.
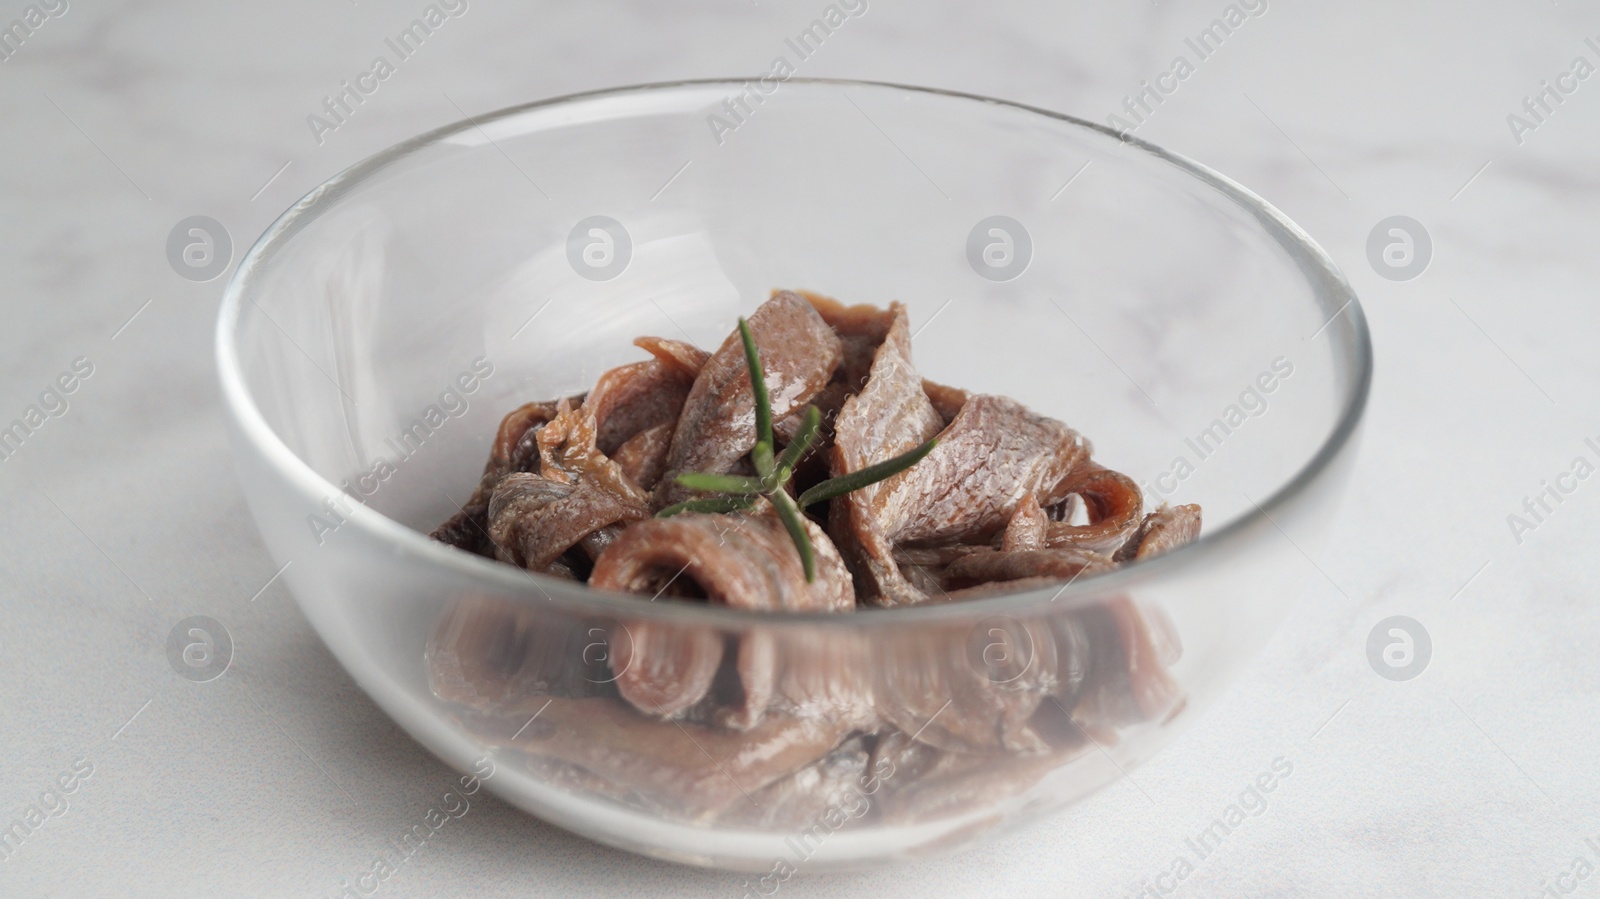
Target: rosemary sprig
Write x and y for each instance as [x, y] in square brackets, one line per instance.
[758, 385]
[810, 423]
[790, 513]
[775, 473]
[722, 483]
[713, 505]
[872, 474]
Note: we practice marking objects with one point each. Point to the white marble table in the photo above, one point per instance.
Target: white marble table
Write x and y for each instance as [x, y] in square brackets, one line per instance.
[122, 516]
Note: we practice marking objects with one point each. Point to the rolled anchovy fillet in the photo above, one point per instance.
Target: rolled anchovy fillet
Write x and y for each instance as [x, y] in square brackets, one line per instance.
[689, 769]
[632, 398]
[968, 688]
[745, 561]
[1028, 527]
[643, 457]
[1114, 503]
[512, 450]
[493, 653]
[993, 454]
[1165, 529]
[861, 329]
[533, 520]
[1127, 682]
[687, 358]
[977, 568]
[799, 354]
[891, 415]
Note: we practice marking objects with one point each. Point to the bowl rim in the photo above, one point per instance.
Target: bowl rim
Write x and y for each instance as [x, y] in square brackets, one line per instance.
[582, 599]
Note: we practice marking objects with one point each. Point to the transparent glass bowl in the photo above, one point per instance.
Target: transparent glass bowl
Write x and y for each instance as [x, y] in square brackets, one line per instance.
[371, 340]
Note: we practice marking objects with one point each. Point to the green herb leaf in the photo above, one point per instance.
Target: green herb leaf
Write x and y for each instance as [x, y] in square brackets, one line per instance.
[872, 474]
[790, 513]
[758, 384]
[714, 505]
[810, 423]
[721, 483]
[776, 473]
[761, 455]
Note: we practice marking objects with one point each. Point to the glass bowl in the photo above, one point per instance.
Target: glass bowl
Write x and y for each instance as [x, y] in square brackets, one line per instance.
[372, 339]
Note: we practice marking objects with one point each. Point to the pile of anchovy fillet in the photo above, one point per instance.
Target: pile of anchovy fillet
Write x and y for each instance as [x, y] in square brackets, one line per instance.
[773, 727]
